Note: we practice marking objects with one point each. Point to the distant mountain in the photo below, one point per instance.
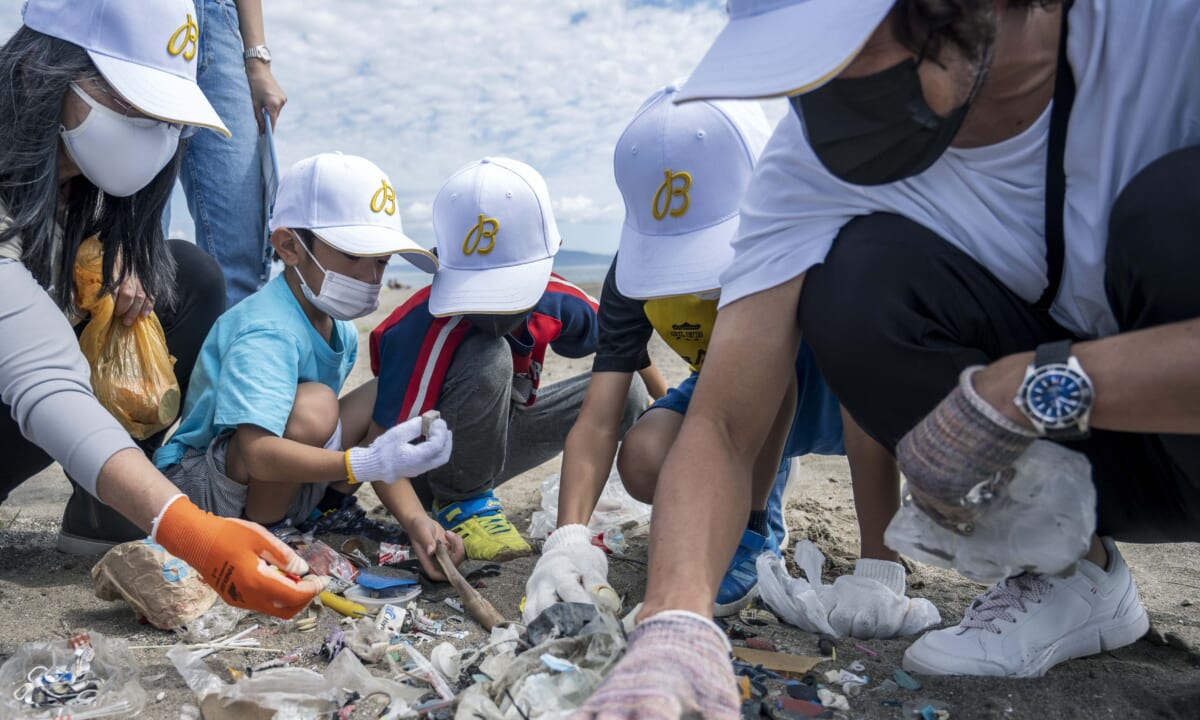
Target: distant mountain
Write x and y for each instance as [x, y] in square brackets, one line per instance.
[566, 258]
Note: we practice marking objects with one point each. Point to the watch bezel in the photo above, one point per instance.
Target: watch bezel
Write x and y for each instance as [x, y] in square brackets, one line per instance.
[1069, 421]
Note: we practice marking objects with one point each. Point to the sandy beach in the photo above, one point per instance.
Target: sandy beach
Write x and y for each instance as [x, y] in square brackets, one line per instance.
[43, 592]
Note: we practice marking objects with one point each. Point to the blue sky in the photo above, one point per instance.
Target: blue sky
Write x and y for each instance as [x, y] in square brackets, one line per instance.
[422, 87]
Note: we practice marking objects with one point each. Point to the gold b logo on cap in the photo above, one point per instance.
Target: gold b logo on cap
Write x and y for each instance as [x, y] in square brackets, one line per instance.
[677, 185]
[485, 229]
[185, 40]
[384, 199]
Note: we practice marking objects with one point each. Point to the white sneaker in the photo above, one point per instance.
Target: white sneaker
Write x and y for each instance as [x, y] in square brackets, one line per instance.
[1027, 624]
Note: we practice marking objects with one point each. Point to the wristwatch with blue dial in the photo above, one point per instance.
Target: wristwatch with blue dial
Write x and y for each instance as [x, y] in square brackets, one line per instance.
[1056, 394]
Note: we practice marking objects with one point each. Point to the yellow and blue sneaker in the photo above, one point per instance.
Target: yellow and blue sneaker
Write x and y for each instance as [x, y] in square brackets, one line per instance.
[485, 532]
[739, 587]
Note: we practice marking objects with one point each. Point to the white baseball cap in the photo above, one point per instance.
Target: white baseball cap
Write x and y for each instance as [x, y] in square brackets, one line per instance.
[783, 47]
[496, 239]
[145, 50]
[349, 203]
[682, 170]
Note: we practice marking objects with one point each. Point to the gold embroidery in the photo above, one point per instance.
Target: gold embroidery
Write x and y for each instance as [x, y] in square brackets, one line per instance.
[485, 229]
[669, 190]
[384, 199]
[185, 41]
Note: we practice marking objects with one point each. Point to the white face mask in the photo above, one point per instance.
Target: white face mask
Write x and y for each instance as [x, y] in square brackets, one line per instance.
[119, 154]
[342, 297]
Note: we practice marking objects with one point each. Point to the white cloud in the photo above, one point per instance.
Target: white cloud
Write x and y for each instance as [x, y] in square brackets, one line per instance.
[418, 211]
[422, 87]
[580, 209]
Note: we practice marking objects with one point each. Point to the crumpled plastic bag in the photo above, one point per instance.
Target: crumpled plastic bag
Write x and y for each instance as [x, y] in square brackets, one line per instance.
[324, 560]
[615, 509]
[529, 689]
[1042, 522]
[155, 583]
[112, 666]
[813, 606]
[367, 640]
[133, 375]
[220, 620]
[287, 693]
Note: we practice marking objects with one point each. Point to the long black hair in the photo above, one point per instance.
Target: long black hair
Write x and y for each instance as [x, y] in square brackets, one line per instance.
[35, 75]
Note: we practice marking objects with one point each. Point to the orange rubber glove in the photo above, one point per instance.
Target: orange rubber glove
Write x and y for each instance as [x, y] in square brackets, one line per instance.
[243, 562]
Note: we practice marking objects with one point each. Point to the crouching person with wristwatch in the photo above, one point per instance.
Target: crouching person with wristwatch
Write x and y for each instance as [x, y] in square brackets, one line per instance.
[1131, 403]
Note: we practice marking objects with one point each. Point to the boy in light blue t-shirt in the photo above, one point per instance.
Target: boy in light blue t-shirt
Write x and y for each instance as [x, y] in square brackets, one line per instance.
[263, 431]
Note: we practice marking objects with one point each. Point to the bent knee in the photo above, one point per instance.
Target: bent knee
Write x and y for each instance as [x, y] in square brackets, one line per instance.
[1151, 252]
[314, 416]
[639, 463]
[1154, 217]
[867, 282]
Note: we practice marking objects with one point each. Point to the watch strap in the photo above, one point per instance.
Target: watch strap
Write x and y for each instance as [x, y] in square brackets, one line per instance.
[1052, 353]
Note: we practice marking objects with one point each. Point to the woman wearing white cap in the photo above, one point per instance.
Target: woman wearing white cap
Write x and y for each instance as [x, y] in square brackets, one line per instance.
[96, 97]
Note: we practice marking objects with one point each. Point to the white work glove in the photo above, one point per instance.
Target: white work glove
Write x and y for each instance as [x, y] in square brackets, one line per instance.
[571, 569]
[393, 456]
[870, 604]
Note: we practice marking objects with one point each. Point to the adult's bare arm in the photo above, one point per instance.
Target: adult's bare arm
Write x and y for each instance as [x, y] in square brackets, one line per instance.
[264, 90]
[1146, 381]
[703, 496]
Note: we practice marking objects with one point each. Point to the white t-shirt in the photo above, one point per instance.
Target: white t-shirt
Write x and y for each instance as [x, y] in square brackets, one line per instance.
[1137, 71]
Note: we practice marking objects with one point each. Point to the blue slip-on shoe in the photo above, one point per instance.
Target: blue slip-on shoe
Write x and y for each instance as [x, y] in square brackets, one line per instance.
[739, 587]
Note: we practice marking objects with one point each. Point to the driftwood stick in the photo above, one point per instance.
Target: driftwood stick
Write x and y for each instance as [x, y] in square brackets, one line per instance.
[480, 610]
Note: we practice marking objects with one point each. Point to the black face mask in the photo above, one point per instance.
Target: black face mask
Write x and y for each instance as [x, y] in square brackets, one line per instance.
[497, 326]
[878, 129]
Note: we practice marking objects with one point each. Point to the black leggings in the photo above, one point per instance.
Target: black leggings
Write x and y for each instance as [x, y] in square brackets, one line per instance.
[199, 300]
[895, 313]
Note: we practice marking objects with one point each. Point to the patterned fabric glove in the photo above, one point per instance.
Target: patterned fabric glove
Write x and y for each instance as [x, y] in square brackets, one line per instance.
[238, 559]
[393, 455]
[676, 665]
[959, 454]
[571, 569]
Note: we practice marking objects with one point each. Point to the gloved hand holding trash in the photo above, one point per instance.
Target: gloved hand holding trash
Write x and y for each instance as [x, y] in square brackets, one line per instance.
[986, 497]
[393, 455]
[675, 666]
[870, 604]
[571, 569]
[959, 458]
[247, 566]
[1042, 521]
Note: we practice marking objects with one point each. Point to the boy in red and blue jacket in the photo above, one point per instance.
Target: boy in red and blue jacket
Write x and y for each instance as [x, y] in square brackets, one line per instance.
[473, 344]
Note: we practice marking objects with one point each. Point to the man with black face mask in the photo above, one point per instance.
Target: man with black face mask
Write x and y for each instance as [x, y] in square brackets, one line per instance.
[995, 199]
[472, 346]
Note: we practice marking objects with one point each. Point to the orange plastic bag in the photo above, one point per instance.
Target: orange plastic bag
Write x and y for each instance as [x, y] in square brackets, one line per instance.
[133, 375]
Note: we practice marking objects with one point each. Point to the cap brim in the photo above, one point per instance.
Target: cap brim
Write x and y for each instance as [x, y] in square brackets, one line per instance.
[503, 290]
[787, 51]
[375, 241]
[159, 94]
[654, 266]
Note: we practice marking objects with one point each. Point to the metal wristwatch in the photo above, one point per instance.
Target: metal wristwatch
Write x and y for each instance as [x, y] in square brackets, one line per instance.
[1056, 394]
[258, 52]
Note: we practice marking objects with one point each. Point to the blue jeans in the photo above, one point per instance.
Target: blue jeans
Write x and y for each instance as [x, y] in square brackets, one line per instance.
[222, 177]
